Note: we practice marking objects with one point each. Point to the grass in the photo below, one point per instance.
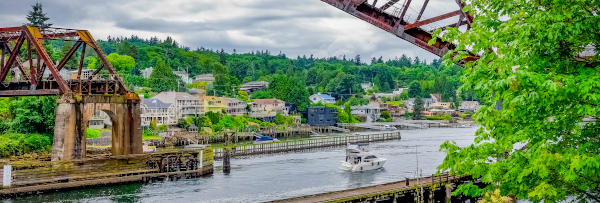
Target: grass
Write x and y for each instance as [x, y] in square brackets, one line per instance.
[151, 137]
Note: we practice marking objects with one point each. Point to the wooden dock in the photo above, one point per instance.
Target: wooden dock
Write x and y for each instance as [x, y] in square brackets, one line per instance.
[41, 176]
[295, 145]
[427, 189]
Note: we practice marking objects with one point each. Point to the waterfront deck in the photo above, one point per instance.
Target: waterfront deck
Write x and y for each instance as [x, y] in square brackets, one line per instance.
[434, 189]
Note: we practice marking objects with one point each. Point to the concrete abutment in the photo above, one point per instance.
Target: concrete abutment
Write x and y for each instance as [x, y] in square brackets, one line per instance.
[73, 113]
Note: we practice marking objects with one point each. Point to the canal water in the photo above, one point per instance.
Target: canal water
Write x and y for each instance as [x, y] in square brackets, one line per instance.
[278, 176]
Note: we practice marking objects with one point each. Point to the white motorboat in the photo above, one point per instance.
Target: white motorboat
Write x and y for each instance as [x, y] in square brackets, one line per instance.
[358, 158]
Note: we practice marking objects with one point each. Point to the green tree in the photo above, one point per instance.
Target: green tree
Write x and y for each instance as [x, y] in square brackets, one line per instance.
[418, 108]
[73, 62]
[538, 145]
[386, 115]
[122, 63]
[37, 17]
[414, 89]
[243, 96]
[34, 114]
[162, 78]
[222, 83]
[126, 48]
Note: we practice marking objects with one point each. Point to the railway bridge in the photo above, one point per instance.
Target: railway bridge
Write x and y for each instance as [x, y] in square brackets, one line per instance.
[80, 95]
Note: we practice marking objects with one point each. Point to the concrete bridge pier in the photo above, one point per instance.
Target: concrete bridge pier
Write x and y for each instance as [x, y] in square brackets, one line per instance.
[73, 113]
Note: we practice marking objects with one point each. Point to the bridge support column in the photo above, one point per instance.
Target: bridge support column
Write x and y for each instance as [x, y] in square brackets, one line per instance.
[73, 114]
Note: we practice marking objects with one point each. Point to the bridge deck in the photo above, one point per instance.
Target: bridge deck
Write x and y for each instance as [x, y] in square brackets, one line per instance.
[375, 190]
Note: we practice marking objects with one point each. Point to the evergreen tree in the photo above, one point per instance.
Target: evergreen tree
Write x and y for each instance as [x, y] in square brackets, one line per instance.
[418, 108]
[222, 58]
[162, 78]
[414, 89]
[357, 59]
[37, 17]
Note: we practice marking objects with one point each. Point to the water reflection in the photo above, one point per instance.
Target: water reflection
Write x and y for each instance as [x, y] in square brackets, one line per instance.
[278, 176]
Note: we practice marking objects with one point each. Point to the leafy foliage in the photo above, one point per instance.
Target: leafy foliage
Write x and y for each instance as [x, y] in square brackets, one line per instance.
[162, 78]
[34, 114]
[538, 145]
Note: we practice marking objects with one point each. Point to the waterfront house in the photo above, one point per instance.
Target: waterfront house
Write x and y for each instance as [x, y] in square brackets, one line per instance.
[185, 104]
[441, 105]
[266, 109]
[427, 103]
[235, 107]
[471, 106]
[370, 112]
[254, 86]
[395, 110]
[156, 110]
[323, 98]
[214, 104]
[322, 116]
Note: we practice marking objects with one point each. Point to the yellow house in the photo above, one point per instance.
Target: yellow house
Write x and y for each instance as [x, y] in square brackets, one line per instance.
[214, 104]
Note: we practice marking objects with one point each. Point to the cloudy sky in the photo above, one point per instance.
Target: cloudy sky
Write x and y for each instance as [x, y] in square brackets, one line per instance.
[294, 27]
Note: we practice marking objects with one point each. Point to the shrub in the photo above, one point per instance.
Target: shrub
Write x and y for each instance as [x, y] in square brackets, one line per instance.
[18, 144]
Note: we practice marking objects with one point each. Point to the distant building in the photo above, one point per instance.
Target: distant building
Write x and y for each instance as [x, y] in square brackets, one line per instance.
[441, 105]
[471, 106]
[321, 116]
[99, 120]
[231, 106]
[254, 86]
[395, 111]
[185, 104]
[214, 104]
[323, 98]
[266, 109]
[366, 86]
[85, 74]
[156, 110]
[427, 103]
[204, 78]
[235, 107]
[185, 78]
[395, 93]
[436, 97]
[371, 113]
[146, 72]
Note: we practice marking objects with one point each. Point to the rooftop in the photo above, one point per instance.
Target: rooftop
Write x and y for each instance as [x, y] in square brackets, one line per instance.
[171, 96]
[155, 103]
[323, 96]
[268, 101]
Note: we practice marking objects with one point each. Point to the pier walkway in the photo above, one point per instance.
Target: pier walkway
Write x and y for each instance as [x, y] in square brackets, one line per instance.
[409, 190]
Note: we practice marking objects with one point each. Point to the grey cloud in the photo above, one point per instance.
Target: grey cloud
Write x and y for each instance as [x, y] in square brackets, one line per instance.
[295, 27]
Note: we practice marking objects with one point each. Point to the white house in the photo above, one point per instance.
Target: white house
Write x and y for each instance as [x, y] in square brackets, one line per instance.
[372, 113]
[156, 110]
[323, 98]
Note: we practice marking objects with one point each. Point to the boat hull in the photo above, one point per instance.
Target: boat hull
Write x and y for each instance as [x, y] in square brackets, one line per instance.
[364, 166]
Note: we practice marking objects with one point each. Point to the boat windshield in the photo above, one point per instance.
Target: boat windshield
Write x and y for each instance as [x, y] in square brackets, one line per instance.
[371, 157]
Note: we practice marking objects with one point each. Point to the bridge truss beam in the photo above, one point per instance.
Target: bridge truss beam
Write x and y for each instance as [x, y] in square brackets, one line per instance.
[393, 18]
[14, 39]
